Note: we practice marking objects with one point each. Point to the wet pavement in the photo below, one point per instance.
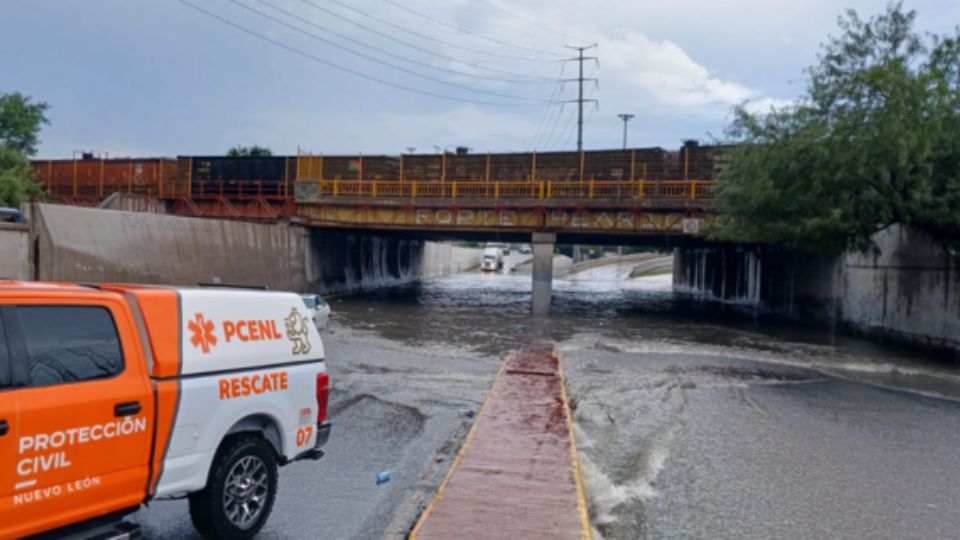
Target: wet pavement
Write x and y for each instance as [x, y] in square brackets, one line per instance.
[693, 420]
[393, 409]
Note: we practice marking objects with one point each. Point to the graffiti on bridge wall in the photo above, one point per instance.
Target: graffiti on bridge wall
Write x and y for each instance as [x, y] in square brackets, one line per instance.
[505, 219]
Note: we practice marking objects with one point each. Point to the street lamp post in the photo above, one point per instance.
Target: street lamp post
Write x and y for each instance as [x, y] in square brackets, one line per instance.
[626, 118]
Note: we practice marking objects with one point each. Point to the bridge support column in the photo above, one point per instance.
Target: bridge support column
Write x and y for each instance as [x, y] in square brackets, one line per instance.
[542, 271]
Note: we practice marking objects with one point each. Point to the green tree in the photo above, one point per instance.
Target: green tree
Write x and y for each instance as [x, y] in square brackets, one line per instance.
[16, 185]
[249, 151]
[20, 122]
[874, 141]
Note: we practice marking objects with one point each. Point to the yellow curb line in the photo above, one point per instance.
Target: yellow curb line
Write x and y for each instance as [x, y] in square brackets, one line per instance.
[460, 452]
[585, 531]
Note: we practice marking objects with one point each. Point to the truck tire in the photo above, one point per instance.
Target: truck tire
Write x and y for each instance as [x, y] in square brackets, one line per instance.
[240, 491]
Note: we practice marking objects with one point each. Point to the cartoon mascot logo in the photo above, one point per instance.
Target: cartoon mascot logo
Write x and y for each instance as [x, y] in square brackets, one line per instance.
[297, 331]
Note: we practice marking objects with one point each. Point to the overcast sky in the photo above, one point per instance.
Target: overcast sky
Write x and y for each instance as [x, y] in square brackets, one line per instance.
[158, 77]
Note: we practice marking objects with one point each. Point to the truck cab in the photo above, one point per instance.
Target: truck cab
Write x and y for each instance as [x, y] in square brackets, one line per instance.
[492, 259]
[111, 396]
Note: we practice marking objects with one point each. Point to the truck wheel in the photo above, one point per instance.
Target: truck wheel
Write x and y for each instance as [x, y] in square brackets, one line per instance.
[240, 490]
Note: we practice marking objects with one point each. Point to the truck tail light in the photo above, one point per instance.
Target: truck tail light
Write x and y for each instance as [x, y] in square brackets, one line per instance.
[323, 394]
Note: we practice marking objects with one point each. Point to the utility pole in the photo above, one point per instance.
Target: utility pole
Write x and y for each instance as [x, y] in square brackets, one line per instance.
[580, 79]
[626, 118]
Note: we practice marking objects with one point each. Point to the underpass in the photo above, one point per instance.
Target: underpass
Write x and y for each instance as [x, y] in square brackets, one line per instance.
[692, 418]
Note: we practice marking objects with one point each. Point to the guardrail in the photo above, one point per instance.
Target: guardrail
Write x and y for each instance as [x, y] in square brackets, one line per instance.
[252, 190]
[590, 189]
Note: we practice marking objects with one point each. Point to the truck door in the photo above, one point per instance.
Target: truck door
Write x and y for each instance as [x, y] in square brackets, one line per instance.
[8, 430]
[86, 413]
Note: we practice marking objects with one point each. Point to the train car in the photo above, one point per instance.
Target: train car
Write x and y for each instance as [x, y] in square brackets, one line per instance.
[238, 176]
[600, 165]
[423, 167]
[698, 162]
[466, 167]
[359, 167]
[607, 165]
[91, 178]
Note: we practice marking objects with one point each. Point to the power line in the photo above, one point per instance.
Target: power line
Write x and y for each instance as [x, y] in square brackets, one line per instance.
[585, 122]
[394, 55]
[467, 30]
[549, 138]
[425, 36]
[541, 125]
[564, 141]
[548, 142]
[558, 87]
[379, 61]
[524, 19]
[566, 136]
[412, 45]
[546, 121]
[342, 68]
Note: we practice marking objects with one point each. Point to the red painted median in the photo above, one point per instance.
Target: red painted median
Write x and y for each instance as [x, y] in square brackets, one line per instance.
[517, 474]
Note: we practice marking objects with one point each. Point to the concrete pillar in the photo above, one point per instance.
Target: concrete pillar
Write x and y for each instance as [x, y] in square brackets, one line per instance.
[542, 271]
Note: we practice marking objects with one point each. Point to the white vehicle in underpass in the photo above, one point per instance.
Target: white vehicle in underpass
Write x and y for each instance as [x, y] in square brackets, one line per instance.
[319, 309]
[492, 259]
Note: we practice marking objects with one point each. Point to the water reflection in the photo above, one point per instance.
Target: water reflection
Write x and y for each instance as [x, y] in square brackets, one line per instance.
[490, 314]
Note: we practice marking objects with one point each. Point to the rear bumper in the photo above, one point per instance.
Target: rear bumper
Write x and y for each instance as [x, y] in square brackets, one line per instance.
[323, 435]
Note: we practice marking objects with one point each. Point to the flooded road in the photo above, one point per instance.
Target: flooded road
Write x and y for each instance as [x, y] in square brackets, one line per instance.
[702, 421]
[693, 420]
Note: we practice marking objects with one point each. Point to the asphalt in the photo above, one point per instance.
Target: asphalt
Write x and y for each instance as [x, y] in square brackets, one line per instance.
[393, 409]
[691, 446]
[692, 420]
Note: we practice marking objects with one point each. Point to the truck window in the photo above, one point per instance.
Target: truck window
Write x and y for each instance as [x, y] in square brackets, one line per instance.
[69, 344]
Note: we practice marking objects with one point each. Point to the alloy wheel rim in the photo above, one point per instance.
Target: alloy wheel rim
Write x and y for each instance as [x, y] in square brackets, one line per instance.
[245, 492]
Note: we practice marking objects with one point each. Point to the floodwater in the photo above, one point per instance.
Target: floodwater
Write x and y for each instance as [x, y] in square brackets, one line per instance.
[698, 420]
[693, 420]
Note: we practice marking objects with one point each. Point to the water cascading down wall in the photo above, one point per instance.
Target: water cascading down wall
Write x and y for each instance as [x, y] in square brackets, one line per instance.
[98, 245]
[907, 288]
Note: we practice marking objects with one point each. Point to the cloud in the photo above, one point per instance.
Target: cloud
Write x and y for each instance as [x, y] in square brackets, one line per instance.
[765, 104]
[637, 71]
[665, 73]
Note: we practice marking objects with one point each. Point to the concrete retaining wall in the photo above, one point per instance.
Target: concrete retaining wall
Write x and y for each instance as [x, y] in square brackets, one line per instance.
[444, 259]
[86, 244]
[348, 261]
[908, 289]
[351, 261]
[130, 202]
[15, 251]
[101, 245]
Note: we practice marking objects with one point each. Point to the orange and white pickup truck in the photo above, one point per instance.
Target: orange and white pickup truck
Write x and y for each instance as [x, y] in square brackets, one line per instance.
[114, 395]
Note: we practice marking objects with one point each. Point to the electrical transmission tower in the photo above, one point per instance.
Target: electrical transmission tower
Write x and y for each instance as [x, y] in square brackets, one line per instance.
[580, 79]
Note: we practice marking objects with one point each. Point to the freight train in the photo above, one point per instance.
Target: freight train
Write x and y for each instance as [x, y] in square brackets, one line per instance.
[92, 179]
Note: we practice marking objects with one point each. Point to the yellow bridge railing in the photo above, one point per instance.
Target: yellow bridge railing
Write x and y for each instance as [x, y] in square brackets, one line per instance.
[392, 189]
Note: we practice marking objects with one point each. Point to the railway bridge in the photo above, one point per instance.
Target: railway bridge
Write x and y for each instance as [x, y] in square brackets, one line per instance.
[538, 212]
[604, 197]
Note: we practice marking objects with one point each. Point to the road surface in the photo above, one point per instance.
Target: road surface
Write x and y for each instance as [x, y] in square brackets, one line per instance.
[693, 420]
